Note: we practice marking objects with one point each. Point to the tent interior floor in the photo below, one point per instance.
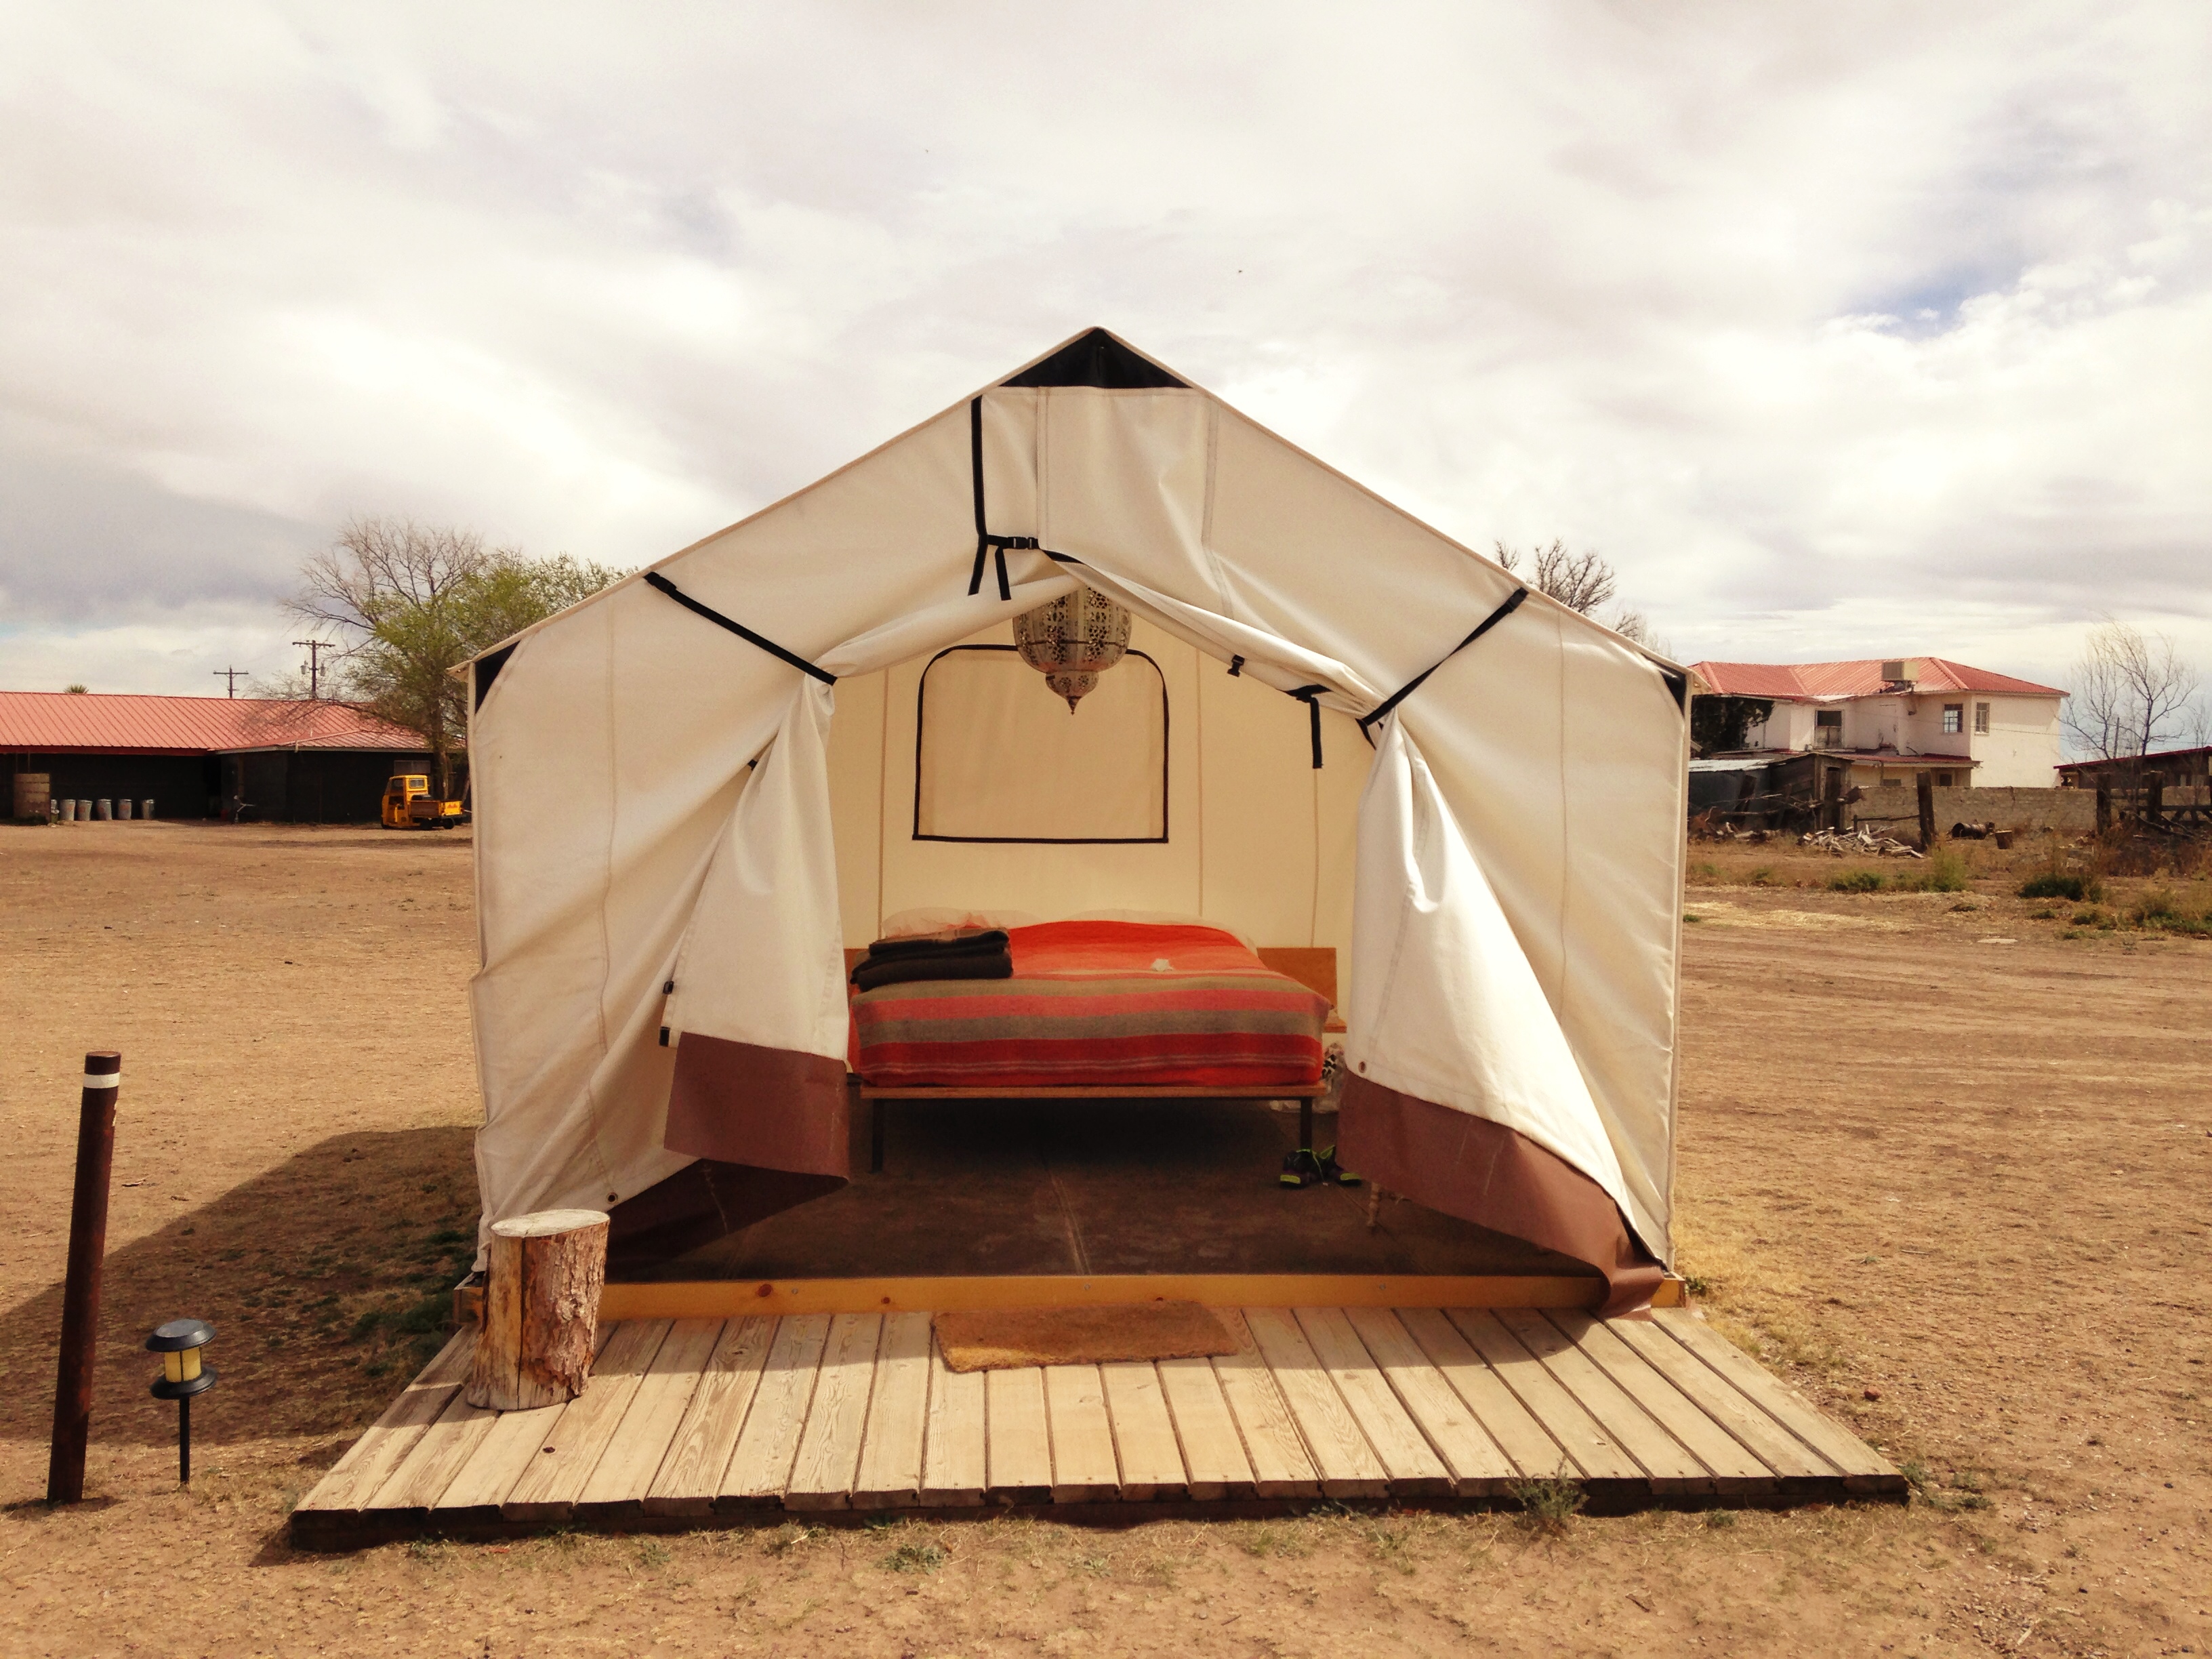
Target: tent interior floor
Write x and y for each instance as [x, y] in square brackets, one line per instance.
[993, 1186]
[731, 1422]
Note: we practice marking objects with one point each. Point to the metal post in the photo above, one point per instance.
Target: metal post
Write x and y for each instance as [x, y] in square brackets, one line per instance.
[185, 1441]
[87, 1247]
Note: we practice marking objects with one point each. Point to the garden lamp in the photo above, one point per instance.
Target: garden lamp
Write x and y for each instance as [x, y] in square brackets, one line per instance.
[179, 1343]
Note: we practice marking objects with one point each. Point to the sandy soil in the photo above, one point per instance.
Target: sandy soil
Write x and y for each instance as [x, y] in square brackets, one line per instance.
[1944, 1162]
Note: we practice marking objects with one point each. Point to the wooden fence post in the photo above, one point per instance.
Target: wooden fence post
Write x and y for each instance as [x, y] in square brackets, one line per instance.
[88, 1246]
[1924, 786]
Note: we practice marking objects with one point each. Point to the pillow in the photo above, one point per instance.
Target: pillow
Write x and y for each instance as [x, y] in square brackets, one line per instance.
[1166, 918]
[938, 919]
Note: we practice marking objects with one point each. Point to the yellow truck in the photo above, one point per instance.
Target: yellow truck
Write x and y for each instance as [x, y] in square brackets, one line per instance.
[408, 804]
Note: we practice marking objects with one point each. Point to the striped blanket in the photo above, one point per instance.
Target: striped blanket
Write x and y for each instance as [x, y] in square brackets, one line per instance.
[1097, 1003]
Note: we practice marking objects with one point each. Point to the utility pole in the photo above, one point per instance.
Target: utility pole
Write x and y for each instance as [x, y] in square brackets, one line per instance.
[230, 675]
[314, 648]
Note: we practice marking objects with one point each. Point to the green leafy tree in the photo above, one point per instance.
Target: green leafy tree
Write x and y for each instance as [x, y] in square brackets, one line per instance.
[410, 603]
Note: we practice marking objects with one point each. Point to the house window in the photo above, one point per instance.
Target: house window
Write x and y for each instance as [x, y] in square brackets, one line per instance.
[1828, 728]
[1889, 782]
[1954, 718]
[1942, 779]
[1981, 719]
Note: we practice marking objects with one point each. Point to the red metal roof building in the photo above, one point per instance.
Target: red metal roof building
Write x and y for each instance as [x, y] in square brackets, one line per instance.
[1892, 718]
[110, 724]
[200, 757]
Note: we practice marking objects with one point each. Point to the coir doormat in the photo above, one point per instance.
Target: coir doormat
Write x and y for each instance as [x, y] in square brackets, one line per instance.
[1005, 1339]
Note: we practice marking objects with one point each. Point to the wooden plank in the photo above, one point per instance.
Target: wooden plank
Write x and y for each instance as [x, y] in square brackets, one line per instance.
[699, 1449]
[736, 1298]
[1083, 1465]
[1144, 1434]
[1346, 1463]
[1670, 1466]
[1281, 1466]
[829, 1448]
[549, 1485]
[657, 1410]
[1589, 1449]
[1019, 1439]
[1531, 1453]
[1774, 1445]
[898, 1406]
[1213, 1456]
[1864, 1468]
[1414, 1468]
[499, 1461]
[451, 1446]
[1478, 1468]
[954, 1467]
[369, 1461]
[760, 1464]
[445, 1448]
[1734, 1471]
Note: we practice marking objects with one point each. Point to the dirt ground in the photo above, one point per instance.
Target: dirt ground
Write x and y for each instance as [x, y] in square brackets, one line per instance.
[1944, 1162]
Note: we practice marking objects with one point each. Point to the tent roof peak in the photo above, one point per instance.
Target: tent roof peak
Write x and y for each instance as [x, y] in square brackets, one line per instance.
[1096, 357]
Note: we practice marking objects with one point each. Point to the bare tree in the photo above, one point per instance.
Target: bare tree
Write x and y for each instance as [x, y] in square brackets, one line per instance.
[2130, 690]
[1581, 581]
[1584, 582]
[410, 602]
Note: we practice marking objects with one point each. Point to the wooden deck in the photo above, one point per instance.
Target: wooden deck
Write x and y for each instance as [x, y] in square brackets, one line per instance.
[706, 1421]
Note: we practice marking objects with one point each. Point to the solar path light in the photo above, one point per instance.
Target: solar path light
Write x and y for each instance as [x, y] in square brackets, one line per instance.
[179, 1343]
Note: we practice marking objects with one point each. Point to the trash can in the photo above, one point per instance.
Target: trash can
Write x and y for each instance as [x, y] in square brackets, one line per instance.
[123, 809]
[146, 807]
[69, 810]
[103, 809]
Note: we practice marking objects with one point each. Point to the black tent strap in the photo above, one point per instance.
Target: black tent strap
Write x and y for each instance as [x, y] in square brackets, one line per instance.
[1310, 696]
[1511, 605]
[987, 544]
[654, 578]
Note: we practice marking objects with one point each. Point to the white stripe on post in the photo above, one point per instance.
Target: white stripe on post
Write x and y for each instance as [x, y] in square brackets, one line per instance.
[102, 1079]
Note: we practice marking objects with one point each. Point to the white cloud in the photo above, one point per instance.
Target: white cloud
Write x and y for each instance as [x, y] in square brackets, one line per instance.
[1844, 332]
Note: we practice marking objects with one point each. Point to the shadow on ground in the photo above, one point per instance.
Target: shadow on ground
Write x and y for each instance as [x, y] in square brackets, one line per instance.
[326, 1279]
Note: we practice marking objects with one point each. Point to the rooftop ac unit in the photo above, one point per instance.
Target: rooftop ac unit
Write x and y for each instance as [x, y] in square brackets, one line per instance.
[1896, 673]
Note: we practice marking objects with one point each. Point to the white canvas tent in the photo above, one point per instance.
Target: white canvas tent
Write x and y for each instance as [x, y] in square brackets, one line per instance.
[696, 788]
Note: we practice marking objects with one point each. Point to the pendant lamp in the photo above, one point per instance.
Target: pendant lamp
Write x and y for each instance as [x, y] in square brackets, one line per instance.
[1073, 641]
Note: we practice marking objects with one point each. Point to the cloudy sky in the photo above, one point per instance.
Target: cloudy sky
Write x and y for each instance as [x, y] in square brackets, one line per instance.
[1842, 331]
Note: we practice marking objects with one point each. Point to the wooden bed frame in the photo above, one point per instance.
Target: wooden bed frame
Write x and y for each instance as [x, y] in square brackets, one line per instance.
[1312, 966]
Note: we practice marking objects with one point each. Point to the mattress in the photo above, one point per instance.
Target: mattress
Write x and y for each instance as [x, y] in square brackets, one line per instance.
[1096, 1004]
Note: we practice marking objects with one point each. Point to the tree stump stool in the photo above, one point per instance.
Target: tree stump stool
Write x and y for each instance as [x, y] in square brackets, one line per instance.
[541, 1310]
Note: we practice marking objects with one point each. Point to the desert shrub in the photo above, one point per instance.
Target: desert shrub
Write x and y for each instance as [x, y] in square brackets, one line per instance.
[1549, 1506]
[2055, 885]
[1856, 881]
[1945, 871]
[2158, 907]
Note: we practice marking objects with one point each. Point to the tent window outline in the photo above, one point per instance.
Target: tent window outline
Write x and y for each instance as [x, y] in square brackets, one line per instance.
[1167, 736]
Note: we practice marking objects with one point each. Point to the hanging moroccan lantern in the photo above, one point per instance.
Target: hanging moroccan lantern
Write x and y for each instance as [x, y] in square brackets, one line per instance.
[1073, 641]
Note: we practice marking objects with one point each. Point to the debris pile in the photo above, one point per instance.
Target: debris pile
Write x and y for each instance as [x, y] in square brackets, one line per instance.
[1842, 843]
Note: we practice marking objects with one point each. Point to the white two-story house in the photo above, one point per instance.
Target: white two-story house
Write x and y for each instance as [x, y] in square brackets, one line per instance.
[1894, 719]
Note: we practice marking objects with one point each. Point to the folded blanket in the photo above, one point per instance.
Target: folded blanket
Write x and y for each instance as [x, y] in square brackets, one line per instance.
[901, 970]
[951, 942]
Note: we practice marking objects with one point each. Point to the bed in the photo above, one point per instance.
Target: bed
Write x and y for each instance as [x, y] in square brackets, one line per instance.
[1101, 1008]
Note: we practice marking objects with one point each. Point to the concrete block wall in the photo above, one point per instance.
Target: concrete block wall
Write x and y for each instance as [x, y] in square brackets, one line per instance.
[2069, 811]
